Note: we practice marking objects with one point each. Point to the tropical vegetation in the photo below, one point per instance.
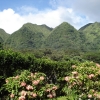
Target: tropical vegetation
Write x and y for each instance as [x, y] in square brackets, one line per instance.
[41, 63]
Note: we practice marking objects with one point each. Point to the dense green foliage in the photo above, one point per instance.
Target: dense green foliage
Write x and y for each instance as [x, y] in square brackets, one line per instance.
[83, 82]
[30, 86]
[68, 58]
[12, 63]
[74, 77]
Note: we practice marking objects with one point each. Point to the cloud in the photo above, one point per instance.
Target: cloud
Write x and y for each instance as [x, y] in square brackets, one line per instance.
[86, 9]
[89, 8]
[24, 10]
[57, 3]
[76, 12]
[11, 21]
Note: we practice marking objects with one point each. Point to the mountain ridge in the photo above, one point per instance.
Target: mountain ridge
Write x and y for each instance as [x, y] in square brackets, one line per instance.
[62, 37]
[91, 35]
[4, 35]
[65, 37]
[28, 36]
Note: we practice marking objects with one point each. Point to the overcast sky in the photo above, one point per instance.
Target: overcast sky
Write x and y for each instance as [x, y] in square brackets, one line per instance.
[15, 13]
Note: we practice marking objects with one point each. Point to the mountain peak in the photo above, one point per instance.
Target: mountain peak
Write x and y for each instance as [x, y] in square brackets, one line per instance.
[63, 36]
[3, 34]
[65, 27]
[65, 23]
[96, 24]
[29, 24]
[2, 30]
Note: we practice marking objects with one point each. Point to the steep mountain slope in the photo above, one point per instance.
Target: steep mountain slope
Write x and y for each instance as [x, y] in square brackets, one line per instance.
[3, 35]
[29, 36]
[65, 37]
[1, 40]
[91, 34]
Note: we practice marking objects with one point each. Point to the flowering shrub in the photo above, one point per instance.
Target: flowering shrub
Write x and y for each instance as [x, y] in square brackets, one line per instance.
[27, 86]
[84, 81]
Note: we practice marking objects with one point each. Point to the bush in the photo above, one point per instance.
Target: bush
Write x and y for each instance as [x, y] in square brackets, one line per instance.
[83, 82]
[29, 86]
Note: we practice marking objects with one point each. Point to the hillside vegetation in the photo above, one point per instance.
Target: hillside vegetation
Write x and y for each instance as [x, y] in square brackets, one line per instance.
[3, 35]
[42, 63]
[91, 34]
[63, 37]
[29, 36]
[22, 75]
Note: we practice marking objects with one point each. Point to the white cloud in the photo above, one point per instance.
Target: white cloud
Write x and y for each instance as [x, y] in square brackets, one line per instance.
[11, 21]
[76, 12]
[89, 8]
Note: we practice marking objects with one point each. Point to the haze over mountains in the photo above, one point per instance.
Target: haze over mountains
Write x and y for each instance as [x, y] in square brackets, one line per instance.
[63, 37]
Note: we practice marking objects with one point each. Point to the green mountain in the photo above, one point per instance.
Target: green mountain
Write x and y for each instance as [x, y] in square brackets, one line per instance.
[65, 37]
[3, 35]
[1, 40]
[29, 36]
[91, 36]
[83, 27]
[38, 28]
